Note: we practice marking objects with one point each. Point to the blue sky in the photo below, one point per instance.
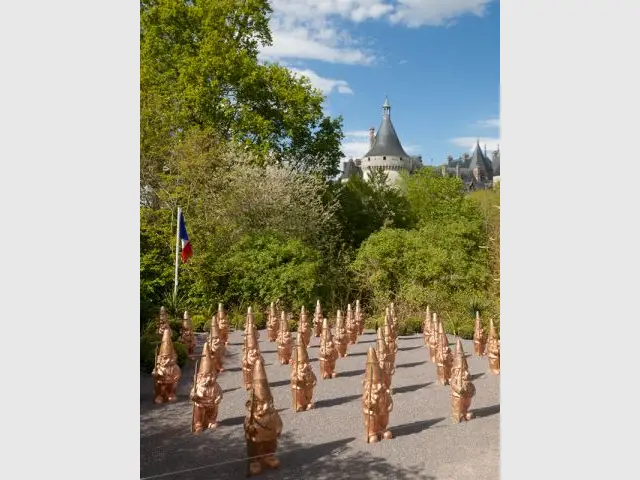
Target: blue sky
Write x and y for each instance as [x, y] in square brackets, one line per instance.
[437, 60]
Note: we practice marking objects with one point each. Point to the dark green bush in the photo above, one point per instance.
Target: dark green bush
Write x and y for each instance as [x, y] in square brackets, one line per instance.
[410, 326]
[293, 325]
[200, 323]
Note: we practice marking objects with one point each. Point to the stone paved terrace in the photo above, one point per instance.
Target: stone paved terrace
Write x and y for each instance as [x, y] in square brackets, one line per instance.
[327, 442]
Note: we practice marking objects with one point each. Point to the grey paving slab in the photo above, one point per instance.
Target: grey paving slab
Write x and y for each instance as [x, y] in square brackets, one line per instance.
[327, 442]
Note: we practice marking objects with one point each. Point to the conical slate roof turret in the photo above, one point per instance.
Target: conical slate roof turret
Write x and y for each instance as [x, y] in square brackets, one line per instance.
[480, 161]
[386, 142]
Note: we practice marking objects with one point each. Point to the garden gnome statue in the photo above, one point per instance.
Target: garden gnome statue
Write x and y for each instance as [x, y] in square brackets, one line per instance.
[433, 338]
[382, 352]
[341, 338]
[216, 346]
[462, 390]
[262, 424]
[223, 324]
[328, 353]
[304, 330]
[251, 355]
[303, 380]
[376, 401]
[493, 349]
[479, 337]
[166, 372]
[317, 320]
[390, 340]
[272, 324]
[163, 321]
[444, 358]
[206, 394]
[426, 326]
[186, 335]
[285, 342]
[359, 318]
[352, 326]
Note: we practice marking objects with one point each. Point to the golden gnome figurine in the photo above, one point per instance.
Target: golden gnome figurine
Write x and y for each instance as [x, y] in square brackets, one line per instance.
[352, 326]
[285, 341]
[341, 338]
[390, 340]
[216, 346]
[262, 424]
[493, 349]
[328, 353]
[272, 324]
[163, 321]
[426, 326]
[206, 394]
[251, 354]
[303, 380]
[376, 401]
[359, 318]
[434, 339]
[166, 372]
[304, 330]
[444, 357]
[186, 334]
[462, 390]
[317, 320]
[479, 337]
[382, 351]
[223, 324]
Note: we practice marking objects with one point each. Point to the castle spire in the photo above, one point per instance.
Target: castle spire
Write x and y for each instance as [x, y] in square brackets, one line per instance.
[386, 108]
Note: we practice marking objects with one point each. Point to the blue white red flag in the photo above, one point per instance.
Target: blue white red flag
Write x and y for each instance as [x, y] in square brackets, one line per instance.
[187, 251]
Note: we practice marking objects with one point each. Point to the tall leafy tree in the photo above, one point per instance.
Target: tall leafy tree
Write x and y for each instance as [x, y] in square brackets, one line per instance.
[199, 68]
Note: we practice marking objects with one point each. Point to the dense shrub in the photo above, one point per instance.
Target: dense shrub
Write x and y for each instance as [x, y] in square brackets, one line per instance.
[200, 323]
[410, 326]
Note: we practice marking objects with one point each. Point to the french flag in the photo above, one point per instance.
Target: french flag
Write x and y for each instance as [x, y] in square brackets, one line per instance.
[187, 251]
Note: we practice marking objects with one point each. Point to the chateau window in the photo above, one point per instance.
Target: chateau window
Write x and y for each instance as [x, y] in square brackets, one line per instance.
[384, 158]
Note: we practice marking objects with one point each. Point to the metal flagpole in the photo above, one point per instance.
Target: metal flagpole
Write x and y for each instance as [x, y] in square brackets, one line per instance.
[175, 285]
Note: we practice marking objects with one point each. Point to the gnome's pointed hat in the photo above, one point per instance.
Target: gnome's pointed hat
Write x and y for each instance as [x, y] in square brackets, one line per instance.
[163, 312]
[461, 358]
[166, 347]
[373, 373]
[492, 329]
[301, 350]
[357, 304]
[186, 319]
[303, 315]
[326, 331]
[206, 361]
[318, 308]
[249, 320]
[283, 324]
[215, 329]
[380, 343]
[220, 307]
[260, 382]
[339, 323]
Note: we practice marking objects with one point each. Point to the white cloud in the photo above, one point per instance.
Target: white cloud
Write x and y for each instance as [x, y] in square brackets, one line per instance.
[418, 13]
[402, 62]
[357, 134]
[355, 148]
[470, 143]
[319, 29]
[301, 44]
[326, 85]
[489, 123]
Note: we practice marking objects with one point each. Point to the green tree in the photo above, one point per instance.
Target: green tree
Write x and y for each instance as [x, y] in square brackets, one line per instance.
[199, 69]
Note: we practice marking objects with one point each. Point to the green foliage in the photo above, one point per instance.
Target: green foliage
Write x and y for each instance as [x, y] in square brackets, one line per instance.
[199, 69]
[201, 323]
[238, 317]
[410, 326]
